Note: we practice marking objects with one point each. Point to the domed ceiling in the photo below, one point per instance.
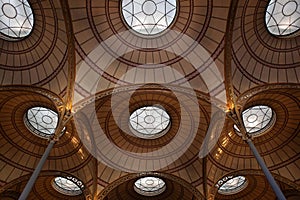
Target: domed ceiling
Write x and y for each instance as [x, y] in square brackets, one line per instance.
[197, 64]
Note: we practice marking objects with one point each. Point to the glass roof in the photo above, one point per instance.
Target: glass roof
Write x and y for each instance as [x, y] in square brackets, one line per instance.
[149, 186]
[41, 121]
[149, 17]
[16, 19]
[149, 121]
[283, 17]
[231, 185]
[68, 185]
[258, 118]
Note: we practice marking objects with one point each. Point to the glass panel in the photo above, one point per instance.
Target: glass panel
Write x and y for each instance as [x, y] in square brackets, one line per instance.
[257, 118]
[149, 186]
[16, 19]
[283, 17]
[68, 185]
[149, 120]
[41, 121]
[149, 17]
[231, 185]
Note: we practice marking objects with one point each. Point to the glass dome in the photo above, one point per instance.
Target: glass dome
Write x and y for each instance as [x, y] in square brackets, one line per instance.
[258, 119]
[149, 186]
[149, 17]
[16, 19]
[149, 122]
[41, 121]
[283, 17]
[231, 185]
[68, 185]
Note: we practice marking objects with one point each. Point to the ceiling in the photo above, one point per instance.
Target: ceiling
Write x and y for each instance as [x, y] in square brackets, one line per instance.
[82, 60]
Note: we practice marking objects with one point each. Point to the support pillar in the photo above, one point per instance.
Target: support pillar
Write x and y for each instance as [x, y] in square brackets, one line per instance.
[266, 171]
[36, 172]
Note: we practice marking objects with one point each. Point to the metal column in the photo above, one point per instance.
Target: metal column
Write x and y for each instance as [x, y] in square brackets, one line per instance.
[36, 172]
[266, 171]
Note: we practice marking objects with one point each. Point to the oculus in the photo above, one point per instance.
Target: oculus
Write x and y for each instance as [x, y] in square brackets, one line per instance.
[257, 120]
[231, 185]
[283, 17]
[68, 185]
[16, 19]
[149, 186]
[149, 17]
[41, 121]
[149, 122]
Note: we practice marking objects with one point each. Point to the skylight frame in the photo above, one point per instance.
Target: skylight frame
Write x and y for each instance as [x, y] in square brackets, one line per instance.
[35, 118]
[68, 185]
[278, 23]
[268, 116]
[19, 26]
[158, 124]
[265, 119]
[157, 22]
[142, 188]
[229, 185]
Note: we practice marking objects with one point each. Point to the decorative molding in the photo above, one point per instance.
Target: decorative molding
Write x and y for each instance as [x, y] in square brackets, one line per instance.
[246, 96]
[228, 54]
[71, 53]
[129, 177]
[57, 100]
[187, 91]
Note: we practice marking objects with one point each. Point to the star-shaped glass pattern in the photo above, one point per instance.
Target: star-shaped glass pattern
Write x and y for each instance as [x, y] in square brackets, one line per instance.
[16, 19]
[68, 185]
[230, 185]
[149, 121]
[283, 17]
[149, 17]
[258, 118]
[149, 186]
[41, 121]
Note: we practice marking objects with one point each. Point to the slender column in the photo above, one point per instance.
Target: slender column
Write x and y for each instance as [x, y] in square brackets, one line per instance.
[36, 172]
[266, 171]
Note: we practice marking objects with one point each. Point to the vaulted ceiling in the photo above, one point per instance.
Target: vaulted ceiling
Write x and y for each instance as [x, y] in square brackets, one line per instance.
[215, 56]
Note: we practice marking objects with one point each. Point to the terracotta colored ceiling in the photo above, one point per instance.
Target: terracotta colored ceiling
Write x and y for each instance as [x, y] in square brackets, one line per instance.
[258, 57]
[83, 49]
[41, 58]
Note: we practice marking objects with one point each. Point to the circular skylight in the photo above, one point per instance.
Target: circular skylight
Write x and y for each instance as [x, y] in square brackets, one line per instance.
[231, 185]
[16, 19]
[283, 17]
[149, 17]
[68, 185]
[41, 121]
[149, 122]
[149, 186]
[258, 119]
